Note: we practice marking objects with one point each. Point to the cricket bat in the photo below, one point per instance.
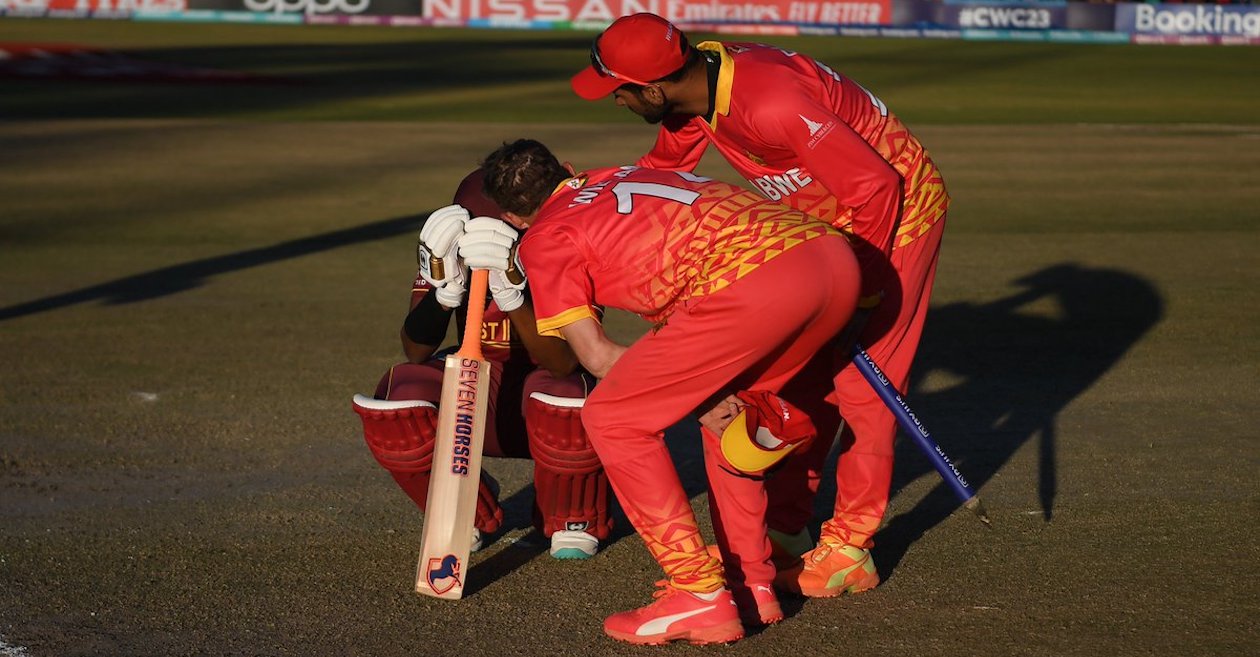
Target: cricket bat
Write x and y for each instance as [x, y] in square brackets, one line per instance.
[456, 474]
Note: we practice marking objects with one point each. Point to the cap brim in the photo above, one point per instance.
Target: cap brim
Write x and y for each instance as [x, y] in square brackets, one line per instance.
[743, 453]
[589, 84]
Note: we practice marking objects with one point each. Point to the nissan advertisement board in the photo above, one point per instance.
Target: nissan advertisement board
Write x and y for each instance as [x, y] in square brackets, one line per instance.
[689, 13]
[1049, 20]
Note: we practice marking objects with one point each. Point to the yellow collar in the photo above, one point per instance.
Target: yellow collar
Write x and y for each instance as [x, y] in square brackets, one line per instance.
[726, 76]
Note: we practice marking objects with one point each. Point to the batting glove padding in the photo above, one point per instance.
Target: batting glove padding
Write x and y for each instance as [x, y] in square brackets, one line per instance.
[490, 244]
[487, 244]
[452, 294]
[438, 254]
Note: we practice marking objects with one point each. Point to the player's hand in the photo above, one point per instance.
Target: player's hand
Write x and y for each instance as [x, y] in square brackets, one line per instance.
[490, 244]
[508, 296]
[487, 243]
[452, 294]
[722, 414]
[438, 249]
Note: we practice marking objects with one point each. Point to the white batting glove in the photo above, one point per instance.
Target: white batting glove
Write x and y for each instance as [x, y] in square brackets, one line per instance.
[508, 296]
[452, 294]
[439, 238]
[437, 252]
[490, 244]
[487, 243]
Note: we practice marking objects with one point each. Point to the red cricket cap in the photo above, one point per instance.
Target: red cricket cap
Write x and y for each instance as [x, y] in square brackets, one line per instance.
[765, 431]
[635, 49]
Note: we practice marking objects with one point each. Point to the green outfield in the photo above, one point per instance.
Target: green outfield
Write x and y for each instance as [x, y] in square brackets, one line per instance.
[405, 74]
[195, 278]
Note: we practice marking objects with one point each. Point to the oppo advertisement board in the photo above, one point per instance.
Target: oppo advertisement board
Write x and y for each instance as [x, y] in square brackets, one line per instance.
[312, 7]
[1190, 24]
[690, 13]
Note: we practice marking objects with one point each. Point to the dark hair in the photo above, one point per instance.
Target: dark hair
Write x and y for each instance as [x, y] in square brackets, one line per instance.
[521, 175]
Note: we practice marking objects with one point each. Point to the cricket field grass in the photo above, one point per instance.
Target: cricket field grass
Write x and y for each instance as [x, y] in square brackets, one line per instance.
[195, 278]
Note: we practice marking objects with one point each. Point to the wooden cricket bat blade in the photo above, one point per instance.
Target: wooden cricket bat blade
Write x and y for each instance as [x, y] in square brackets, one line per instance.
[456, 475]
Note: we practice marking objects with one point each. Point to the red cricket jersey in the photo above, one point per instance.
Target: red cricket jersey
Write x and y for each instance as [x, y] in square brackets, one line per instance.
[807, 137]
[643, 239]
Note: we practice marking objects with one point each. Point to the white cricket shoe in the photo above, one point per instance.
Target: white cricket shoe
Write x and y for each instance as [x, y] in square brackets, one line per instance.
[571, 544]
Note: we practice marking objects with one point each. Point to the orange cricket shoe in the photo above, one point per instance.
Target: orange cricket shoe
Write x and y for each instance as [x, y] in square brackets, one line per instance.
[757, 603]
[829, 570]
[679, 615]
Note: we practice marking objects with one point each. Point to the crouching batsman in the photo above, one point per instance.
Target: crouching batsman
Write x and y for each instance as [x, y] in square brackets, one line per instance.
[742, 292]
[536, 389]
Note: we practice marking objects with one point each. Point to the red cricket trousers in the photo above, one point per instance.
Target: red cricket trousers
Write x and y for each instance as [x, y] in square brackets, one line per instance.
[864, 469]
[754, 334]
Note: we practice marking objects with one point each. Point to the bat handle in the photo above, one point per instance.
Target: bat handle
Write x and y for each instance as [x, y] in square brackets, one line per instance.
[471, 345]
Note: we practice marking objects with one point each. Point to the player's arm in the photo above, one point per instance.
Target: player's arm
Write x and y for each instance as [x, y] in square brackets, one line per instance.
[489, 243]
[593, 348]
[563, 307]
[439, 287]
[425, 327]
[679, 147]
[551, 353]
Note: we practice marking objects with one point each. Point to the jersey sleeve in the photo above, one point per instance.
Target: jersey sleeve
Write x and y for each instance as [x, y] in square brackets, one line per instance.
[679, 146]
[559, 278]
[851, 170]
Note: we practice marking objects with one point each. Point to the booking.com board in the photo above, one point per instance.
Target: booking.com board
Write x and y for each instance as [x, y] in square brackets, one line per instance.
[1039, 20]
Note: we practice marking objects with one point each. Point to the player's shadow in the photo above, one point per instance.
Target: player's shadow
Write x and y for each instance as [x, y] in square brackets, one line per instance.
[517, 512]
[685, 447]
[191, 275]
[1017, 362]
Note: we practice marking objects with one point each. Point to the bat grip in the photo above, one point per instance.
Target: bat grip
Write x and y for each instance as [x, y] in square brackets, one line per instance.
[471, 345]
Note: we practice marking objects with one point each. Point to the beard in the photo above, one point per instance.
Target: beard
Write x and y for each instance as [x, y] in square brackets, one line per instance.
[654, 114]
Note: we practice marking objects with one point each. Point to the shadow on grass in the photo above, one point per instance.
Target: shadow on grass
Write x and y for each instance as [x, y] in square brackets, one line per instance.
[684, 442]
[190, 275]
[1017, 369]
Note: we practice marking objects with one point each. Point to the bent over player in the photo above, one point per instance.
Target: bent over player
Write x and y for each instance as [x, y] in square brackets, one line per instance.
[711, 265]
[807, 137]
[534, 412]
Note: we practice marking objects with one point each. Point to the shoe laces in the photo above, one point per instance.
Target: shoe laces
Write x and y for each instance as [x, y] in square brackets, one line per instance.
[663, 589]
[821, 553]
